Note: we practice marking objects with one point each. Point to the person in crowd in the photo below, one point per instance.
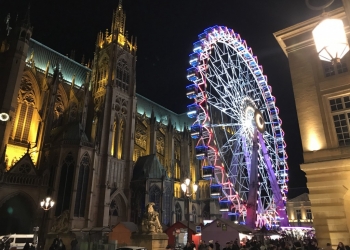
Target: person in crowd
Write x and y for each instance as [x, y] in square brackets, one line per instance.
[227, 247]
[2, 244]
[202, 245]
[7, 244]
[340, 246]
[56, 241]
[329, 246]
[188, 246]
[26, 246]
[217, 245]
[235, 245]
[73, 244]
[61, 246]
[193, 245]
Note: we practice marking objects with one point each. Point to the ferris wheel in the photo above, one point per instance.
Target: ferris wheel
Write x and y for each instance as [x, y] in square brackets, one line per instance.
[238, 130]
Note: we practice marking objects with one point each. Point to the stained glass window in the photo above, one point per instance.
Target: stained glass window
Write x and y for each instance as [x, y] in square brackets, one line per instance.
[65, 185]
[154, 196]
[83, 180]
[178, 212]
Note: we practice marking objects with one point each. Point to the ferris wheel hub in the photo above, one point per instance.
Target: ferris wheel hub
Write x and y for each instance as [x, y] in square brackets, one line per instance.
[259, 121]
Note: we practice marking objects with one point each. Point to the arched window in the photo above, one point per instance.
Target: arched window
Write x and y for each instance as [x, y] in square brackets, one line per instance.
[117, 210]
[207, 195]
[121, 139]
[114, 139]
[65, 186]
[206, 212]
[194, 214]
[154, 196]
[178, 212]
[177, 171]
[122, 74]
[202, 191]
[167, 204]
[83, 180]
[25, 110]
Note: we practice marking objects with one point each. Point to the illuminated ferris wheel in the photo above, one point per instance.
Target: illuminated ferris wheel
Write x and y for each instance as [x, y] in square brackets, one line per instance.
[240, 139]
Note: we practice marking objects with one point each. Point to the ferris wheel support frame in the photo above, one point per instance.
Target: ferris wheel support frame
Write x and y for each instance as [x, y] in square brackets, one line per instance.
[253, 183]
[275, 188]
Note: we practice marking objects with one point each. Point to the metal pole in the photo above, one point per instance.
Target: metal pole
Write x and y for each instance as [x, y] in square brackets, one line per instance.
[41, 241]
[188, 219]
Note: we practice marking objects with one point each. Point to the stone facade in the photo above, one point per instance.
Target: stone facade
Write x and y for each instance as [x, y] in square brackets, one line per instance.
[321, 91]
[299, 211]
[76, 131]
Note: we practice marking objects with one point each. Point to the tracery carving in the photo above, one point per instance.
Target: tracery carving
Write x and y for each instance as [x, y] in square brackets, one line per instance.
[26, 92]
[141, 135]
[120, 107]
[177, 136]
[24, 168]
[58, 108]
[160, 144]
[123, 74]
[177, 150]
[73, 111]
[162, 129]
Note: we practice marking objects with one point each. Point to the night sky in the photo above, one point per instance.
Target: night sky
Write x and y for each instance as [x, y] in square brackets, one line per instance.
[165, 31]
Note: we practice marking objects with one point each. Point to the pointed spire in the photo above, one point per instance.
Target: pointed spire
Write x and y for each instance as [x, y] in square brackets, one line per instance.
[26, 20]
[7, 21]
[47, 68]
[152, 113]
[120, 5]
[73, 83]
[72, 54]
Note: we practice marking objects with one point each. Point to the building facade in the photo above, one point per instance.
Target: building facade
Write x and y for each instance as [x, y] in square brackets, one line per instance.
[80, 134]
[322, 91]
[299, 211]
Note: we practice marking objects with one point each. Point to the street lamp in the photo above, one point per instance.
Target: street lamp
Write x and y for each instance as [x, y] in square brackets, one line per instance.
[185, 186]
[329, 37]
[45, 204]
[4, 117]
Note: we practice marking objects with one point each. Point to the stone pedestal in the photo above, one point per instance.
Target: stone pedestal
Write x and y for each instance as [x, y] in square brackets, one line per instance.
[151, 241]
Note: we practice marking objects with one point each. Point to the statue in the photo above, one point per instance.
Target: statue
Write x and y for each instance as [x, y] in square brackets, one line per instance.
[61, 224]
[150, 221]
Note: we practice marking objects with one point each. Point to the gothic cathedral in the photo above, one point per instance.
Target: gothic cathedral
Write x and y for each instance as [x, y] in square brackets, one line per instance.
[80, 134]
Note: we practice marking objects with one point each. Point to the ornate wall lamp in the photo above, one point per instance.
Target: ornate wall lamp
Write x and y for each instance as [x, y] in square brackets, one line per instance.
[329, 36]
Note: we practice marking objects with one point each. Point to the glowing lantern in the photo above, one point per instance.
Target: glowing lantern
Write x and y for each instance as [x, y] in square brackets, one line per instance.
[4, 117]
[330, 40]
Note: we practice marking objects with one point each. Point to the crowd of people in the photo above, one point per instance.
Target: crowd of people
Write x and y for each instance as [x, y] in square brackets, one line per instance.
[283, 243]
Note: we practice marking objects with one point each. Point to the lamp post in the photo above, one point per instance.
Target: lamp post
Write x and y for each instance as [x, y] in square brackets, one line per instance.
[329, 36]
[45, 204]
[185, 186]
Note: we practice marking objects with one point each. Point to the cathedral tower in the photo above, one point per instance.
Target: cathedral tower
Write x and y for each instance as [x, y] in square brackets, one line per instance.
[113, 92]
[13, 53]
